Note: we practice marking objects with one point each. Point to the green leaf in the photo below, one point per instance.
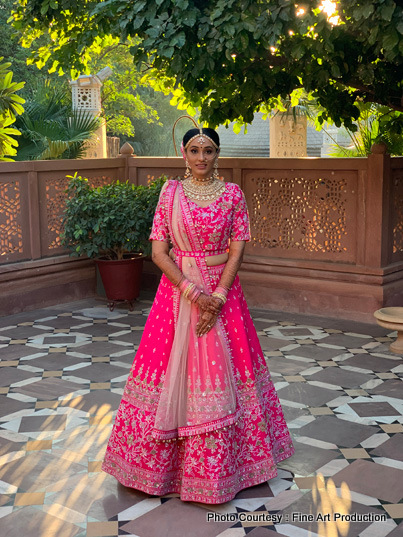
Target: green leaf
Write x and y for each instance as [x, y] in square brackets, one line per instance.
[190, 19]
[387, 11]
[335, 70]
[390, 39]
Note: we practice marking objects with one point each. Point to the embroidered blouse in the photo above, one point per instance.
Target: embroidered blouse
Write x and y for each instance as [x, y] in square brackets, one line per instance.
[224, 219]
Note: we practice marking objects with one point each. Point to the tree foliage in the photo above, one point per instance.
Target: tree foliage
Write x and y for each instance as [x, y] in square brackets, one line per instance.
[122, 103]
[230, 58]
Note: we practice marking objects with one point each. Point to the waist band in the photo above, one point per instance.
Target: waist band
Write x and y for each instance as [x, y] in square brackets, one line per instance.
[200, 253]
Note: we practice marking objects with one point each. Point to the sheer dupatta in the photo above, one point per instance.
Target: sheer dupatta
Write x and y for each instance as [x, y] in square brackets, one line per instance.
[198, 393]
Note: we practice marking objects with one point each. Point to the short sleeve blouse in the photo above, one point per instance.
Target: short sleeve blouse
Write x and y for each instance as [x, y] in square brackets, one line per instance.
[225, 219]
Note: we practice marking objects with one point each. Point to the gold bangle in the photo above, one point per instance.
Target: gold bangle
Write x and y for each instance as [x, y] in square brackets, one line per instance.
[188, 289]
[220, 296]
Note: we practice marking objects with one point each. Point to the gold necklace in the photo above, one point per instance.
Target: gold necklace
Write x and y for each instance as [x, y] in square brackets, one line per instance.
[205, 191]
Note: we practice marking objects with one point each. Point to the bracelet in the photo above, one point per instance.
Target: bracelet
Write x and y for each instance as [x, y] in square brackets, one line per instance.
[183, 284]
[180, 281]
[222, 290]
[220, 296]
[189, 289]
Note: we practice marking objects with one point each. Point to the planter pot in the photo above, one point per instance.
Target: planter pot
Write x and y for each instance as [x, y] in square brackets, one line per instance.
[121, 278]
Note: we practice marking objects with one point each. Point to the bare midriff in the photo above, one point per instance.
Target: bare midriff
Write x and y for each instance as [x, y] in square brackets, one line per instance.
[213, 260]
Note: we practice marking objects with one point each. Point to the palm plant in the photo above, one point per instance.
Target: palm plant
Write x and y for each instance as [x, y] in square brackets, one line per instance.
[50, 129]
[375, 124]
[10, 107]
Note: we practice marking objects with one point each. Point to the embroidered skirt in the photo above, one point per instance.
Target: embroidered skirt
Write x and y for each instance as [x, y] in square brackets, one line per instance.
[211, 467]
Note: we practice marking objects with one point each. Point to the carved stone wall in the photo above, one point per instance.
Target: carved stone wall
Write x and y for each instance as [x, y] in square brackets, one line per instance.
[55, 195]
[10, 219]
[300, 216]
[397, 215]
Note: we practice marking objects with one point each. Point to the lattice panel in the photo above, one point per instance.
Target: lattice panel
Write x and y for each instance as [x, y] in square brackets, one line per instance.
[398, 214]
[10, 219]
[87, 98]
[300, 214]
[55, 205]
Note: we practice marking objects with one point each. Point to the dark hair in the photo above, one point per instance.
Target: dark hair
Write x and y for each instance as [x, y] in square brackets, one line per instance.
[211, 133]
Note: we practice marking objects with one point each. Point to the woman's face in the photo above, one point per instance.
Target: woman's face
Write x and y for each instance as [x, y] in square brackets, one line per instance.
[201, 155]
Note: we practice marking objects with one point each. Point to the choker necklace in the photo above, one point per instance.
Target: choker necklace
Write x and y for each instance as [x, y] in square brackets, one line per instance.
[204, 190]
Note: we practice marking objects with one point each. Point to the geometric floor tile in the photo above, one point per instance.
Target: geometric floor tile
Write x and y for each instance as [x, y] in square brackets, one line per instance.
[307, 459]
[318, 352]
[390, 388]
[57, 409]
[307, 394]
[372, 363]
[42, 423]
[49, 388]
[100, 372]
[36, 470]
[323, 503]
[285, 366]
[374, 409]
[341, 432]
[372, 479]
[391, 449]
[35, 523]
[397, 532]
[177, 518]
[9, 405]
[340, 377]
[11, 375]
[94, 401]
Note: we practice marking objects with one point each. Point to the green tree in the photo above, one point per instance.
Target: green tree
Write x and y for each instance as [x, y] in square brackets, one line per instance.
[12, 51]
[10, 108]
[121, 102]
[231, 58]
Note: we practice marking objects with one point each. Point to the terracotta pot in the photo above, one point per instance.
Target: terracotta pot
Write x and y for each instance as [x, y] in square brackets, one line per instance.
[121, 278]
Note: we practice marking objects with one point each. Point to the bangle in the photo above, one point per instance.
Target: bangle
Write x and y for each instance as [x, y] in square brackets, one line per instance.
[222, 290]
[220, 296]
[188, 289]
[183, 284]
[180, 281]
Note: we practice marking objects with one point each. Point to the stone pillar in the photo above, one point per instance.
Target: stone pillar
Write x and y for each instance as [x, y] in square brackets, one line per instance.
[287, 136]
[86, 95]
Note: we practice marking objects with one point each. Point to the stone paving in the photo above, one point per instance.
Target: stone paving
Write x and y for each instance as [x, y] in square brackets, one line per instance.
[62, 374]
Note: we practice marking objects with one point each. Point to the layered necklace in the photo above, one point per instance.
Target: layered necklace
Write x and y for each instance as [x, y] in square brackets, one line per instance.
[203, 190]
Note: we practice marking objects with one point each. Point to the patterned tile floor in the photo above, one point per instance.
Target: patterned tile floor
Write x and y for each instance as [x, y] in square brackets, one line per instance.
[62, 374]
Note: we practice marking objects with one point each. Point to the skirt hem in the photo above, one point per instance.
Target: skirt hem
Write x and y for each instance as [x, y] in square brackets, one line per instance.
[179, 486]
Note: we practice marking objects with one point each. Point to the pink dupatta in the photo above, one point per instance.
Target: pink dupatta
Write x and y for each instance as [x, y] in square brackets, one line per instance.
[198, 393]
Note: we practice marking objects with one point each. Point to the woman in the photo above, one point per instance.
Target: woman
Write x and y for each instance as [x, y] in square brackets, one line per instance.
[199, 416]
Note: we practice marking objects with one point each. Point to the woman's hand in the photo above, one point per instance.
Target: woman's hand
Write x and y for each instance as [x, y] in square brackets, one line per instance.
[209, 304]
[206, 322]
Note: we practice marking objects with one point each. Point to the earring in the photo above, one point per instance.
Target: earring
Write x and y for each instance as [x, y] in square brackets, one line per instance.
[188, 171]
[215, 172]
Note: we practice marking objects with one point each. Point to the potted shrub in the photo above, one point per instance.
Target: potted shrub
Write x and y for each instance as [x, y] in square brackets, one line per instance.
[111, 223]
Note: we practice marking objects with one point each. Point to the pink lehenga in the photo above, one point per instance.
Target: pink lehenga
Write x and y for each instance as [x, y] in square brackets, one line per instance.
[199, 416]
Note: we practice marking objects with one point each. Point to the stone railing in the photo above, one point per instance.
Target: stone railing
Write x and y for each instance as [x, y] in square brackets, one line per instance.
[327, 234]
